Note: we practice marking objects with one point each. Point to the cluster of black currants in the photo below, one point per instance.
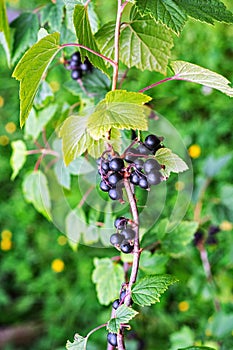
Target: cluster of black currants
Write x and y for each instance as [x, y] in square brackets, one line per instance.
[77, 68]
[112, 337]
[123, 239]
[210, 239]
[142, 169]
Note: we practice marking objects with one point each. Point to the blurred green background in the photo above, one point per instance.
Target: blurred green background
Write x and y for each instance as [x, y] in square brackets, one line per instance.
[46, 287]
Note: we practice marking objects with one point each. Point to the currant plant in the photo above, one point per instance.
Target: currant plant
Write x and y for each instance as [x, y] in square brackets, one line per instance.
[67, 35]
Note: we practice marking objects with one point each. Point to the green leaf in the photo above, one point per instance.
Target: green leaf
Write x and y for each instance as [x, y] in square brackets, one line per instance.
[35, 189]
[37, 121]
[120, 109]
[96, 84]
[146, 44]
[108, 277]
[196, 74]
[206, 10]
[18, 157]
[86, 37]
[25, 35]
[175, 241]
[31, 68]
[171, 161]
[79, 343]
[152, 263]
[4, 31]
[44, 95]
[74, 137]
[53, 14]
[75, 225]
[165, 11]
[149, 289]
[105, 39]
[123, 315]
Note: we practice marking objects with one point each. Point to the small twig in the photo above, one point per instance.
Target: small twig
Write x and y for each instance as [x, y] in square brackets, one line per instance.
[120, 10]
[44, 152]
[158, 83]
[136, 251]
[198, 207]
[90, 50]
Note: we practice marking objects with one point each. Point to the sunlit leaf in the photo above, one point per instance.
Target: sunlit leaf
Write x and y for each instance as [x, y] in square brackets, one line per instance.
[123, 315]
[106, 270]
[148, 290]
[4, 30]
[196, 74]
[171, 161]
[206, 10]
[18, 157]
[31, 68]
[36, 191]
[165, 11]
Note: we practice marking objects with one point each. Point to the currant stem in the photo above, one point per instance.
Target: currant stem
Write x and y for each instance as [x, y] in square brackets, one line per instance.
[120, 10]
[158, 83]
[137, 251]
[90, 50]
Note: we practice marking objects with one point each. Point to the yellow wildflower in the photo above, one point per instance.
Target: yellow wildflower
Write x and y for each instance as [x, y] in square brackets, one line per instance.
[226, 226]
[57, 265]
[6, 234]
[62, 240]
[10, 127]
[6, 244]
[4, 140]
[1, 101]
[194, 151]
[183, 306]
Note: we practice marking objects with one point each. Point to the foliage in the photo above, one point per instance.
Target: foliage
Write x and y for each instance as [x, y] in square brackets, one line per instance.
[90, 118]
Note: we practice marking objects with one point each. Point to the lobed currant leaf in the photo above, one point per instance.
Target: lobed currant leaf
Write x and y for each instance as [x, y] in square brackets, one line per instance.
[206, 10]
[171, 161]
[165, 11]
[31, 68]
[86, 37]
[18, 157]
[36, 191]
[79, 343]
[196, 74]
[148, 290]
[120, 109]
[107, 276]
[123, 315]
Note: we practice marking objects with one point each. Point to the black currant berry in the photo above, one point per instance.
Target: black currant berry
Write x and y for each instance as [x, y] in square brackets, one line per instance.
[126, 247]
[76, 57]
[86, 66]
[104, 186]
[143, 183]
[154, 177]
[112, 339]
[142, 149]
[116, 164]
[130, 157]
[116, 238]
[152, 141]
[134, 178]
[76, 74]
[116, 304]
[213, 230]
[114, 178]
[115, 193]
[151, 164]
[128, 233]
[198, 238]
[105, 166]
[138, 164]
[122, 295]
[211, 240]
[120, 222]
[73, 65]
